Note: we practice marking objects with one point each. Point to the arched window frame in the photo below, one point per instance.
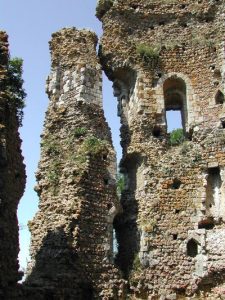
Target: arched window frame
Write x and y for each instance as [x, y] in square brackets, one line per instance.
[191, 98]
[174, 91]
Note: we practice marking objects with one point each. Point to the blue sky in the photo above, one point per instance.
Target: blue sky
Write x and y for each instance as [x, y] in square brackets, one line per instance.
[29, 24]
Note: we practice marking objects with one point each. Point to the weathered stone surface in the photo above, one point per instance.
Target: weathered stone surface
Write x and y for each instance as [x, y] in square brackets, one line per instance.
[71, 248]
[160, 55]
[169, 55]
[12, 179]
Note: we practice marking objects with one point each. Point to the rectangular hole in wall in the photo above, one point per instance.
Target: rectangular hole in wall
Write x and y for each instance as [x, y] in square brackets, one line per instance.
[173, 120]
[213, 187]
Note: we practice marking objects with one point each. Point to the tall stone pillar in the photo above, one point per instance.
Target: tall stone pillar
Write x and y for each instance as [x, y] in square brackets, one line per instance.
[71, 248]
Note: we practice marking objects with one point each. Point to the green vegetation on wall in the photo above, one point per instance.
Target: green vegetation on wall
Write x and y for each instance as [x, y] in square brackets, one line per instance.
[15, 89]
[80, 131]
[77, 156]
[148, 53]
[176, 137]
[120, 183]
[93, 146]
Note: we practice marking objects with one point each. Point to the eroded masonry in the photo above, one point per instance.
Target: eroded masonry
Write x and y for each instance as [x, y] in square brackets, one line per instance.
[12, 178]
[161, 56]
[72, 234]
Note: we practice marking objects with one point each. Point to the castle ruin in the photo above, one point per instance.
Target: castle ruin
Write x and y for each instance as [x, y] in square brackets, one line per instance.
[170, 221]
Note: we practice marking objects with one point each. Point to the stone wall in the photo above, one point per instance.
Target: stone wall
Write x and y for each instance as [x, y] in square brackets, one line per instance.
[160, 56]
[12, 179]
[169, 55]
[72, 248]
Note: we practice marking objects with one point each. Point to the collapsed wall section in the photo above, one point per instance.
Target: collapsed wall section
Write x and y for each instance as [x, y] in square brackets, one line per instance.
[72, 247]
[12, 178]
[163, 56]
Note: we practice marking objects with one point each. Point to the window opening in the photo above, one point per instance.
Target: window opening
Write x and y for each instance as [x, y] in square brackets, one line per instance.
[192, 248]
[174, 90]
[214, 183]
[104, 156]
[173, 120]
[175, 236]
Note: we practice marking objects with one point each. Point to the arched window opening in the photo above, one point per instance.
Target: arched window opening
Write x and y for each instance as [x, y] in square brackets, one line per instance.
[219, 97]
[214, 183]
[174, 90]
[192, 248]
[124, 80]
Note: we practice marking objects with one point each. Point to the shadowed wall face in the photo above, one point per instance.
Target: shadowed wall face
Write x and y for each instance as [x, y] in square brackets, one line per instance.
[12, 177]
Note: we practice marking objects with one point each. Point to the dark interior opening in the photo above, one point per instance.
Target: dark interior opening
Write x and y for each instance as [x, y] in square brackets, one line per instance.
[156, 131]
[134, 6]
[106, 181]
[161, 23]
[104, 156]
[175, 236]
[214, 183]
[207, 224]
[223, 123]
[192, 248]
[87, 291]
[184, 25]
[219, 99]
[176, 184]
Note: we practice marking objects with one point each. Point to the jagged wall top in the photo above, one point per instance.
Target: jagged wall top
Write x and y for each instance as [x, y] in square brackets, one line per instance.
[75, 67]
[3, 56]
[191, 7]
[163, 24]
[70, 46]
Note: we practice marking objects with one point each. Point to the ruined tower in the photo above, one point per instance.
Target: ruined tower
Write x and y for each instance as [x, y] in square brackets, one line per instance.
[163, 56]
[12, 177]
[72, 233]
